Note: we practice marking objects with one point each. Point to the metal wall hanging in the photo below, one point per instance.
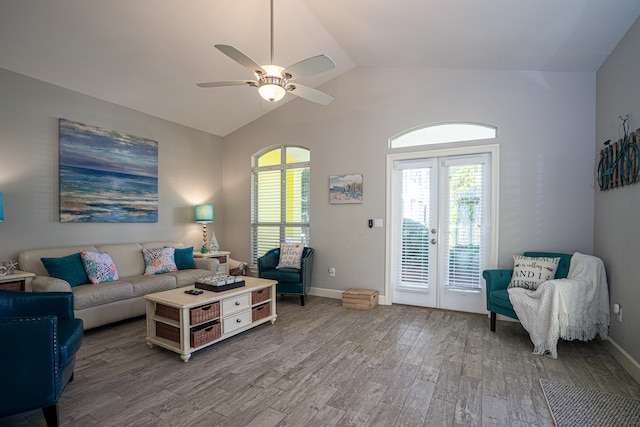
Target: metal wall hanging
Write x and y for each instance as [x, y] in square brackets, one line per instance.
[618, 164]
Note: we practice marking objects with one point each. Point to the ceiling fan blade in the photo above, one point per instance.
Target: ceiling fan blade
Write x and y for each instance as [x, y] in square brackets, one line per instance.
[241, 59]
[228, 83]
[310, 94]
[310, 66]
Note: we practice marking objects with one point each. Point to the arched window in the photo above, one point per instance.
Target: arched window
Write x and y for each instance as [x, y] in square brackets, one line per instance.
[438, 133]
[279, 198]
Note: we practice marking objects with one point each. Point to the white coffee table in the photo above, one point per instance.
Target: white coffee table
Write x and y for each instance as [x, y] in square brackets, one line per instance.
[216, 315]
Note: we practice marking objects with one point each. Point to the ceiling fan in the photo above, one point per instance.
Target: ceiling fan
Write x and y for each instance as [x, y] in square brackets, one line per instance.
[273, 81]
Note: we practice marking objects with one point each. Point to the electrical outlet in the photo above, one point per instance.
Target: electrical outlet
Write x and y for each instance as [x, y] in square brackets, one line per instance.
[617, 309]
[332, 272]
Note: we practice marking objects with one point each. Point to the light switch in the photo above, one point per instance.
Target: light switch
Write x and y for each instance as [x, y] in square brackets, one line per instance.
[378, 223]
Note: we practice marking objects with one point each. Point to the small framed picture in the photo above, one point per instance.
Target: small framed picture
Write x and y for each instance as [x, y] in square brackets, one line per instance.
[345, 189]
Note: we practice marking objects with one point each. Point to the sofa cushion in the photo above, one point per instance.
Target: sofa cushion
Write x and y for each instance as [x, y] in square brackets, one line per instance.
[189, 277]
[184, 258]
[68, 268]
[143, 285]
[127, 257]
[99, 267]
[158, 261]
[530, 272]
[89, 295]
[31, 260]
[290, 255]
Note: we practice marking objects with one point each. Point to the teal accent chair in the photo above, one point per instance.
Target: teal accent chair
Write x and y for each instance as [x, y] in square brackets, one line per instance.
[498, 279]
[40, 338]
[291, 281]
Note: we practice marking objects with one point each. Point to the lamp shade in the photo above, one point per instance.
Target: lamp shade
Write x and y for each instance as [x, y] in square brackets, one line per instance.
[1, 209]
[204, 213]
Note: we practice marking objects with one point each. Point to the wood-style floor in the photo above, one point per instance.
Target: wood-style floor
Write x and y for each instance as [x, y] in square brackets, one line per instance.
[325, 365]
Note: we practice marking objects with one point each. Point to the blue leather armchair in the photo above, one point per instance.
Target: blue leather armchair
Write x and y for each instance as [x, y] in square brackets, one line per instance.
[498, 279]
[40, 338]
[291, 281]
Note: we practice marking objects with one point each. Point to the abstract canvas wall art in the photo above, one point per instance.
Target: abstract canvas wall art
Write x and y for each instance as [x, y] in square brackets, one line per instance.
[106, 176]
[345, 189]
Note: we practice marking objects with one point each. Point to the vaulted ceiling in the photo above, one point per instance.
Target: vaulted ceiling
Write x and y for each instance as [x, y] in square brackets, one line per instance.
[149, 54]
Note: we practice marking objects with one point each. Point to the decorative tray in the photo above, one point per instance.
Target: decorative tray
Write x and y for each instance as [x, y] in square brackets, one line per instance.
[219, 283]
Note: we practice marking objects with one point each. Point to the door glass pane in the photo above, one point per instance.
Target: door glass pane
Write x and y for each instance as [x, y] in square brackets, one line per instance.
[415, 227]
[465, 217]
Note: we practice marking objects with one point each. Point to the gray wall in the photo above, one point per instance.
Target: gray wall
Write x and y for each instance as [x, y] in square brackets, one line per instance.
[189, 165]
[617, 212]
[546, 131]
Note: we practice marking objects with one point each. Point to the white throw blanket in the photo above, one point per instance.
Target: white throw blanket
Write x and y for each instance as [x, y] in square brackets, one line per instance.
[573, 308]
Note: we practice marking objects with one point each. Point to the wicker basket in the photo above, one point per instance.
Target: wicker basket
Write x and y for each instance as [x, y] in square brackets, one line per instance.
[167, 332]
[204, 313]
[204, 334]
[196, 315]
[168, 312]
[260, 295]
[260, 312]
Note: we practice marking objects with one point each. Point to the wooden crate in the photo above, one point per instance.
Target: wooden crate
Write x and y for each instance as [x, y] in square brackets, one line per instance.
[260, 312]
[361, 299]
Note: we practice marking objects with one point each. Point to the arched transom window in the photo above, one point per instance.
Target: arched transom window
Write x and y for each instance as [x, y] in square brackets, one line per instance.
[438, 133]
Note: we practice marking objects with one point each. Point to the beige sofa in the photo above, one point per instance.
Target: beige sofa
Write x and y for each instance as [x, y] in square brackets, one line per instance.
[110, 302]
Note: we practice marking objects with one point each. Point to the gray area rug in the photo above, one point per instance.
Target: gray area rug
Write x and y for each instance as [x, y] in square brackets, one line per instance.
[576, 406]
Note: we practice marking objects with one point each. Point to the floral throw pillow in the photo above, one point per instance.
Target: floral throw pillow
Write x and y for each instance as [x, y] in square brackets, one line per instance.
[290, 255]
[531, 272]
[99, 267]
[159, 260]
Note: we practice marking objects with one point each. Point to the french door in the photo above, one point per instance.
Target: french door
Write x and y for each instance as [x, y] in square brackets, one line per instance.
[441, 223]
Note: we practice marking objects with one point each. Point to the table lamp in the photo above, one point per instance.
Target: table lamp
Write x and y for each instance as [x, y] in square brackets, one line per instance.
[204, 216]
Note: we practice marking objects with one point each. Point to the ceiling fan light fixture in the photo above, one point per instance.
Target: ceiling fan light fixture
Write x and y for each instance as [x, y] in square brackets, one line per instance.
[271, 92]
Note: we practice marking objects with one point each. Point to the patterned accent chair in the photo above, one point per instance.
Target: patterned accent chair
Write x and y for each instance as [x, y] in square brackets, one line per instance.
[291, 281]
[40, 338]
[498, 279]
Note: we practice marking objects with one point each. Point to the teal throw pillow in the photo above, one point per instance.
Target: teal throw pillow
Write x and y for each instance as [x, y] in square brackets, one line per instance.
[69, 268]
[184, 258]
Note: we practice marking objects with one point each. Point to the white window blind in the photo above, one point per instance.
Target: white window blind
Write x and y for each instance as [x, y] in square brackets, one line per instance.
[414, 208]
[279, 199]
[465, 184]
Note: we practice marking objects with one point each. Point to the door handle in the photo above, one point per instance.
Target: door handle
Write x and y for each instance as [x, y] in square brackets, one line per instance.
[434, 241]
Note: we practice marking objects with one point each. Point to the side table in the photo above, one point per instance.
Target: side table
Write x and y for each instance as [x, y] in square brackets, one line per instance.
[18, 281]
[221, 256]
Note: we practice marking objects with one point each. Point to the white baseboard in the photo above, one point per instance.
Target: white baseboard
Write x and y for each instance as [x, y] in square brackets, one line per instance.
[336, 294]
[628, 363]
